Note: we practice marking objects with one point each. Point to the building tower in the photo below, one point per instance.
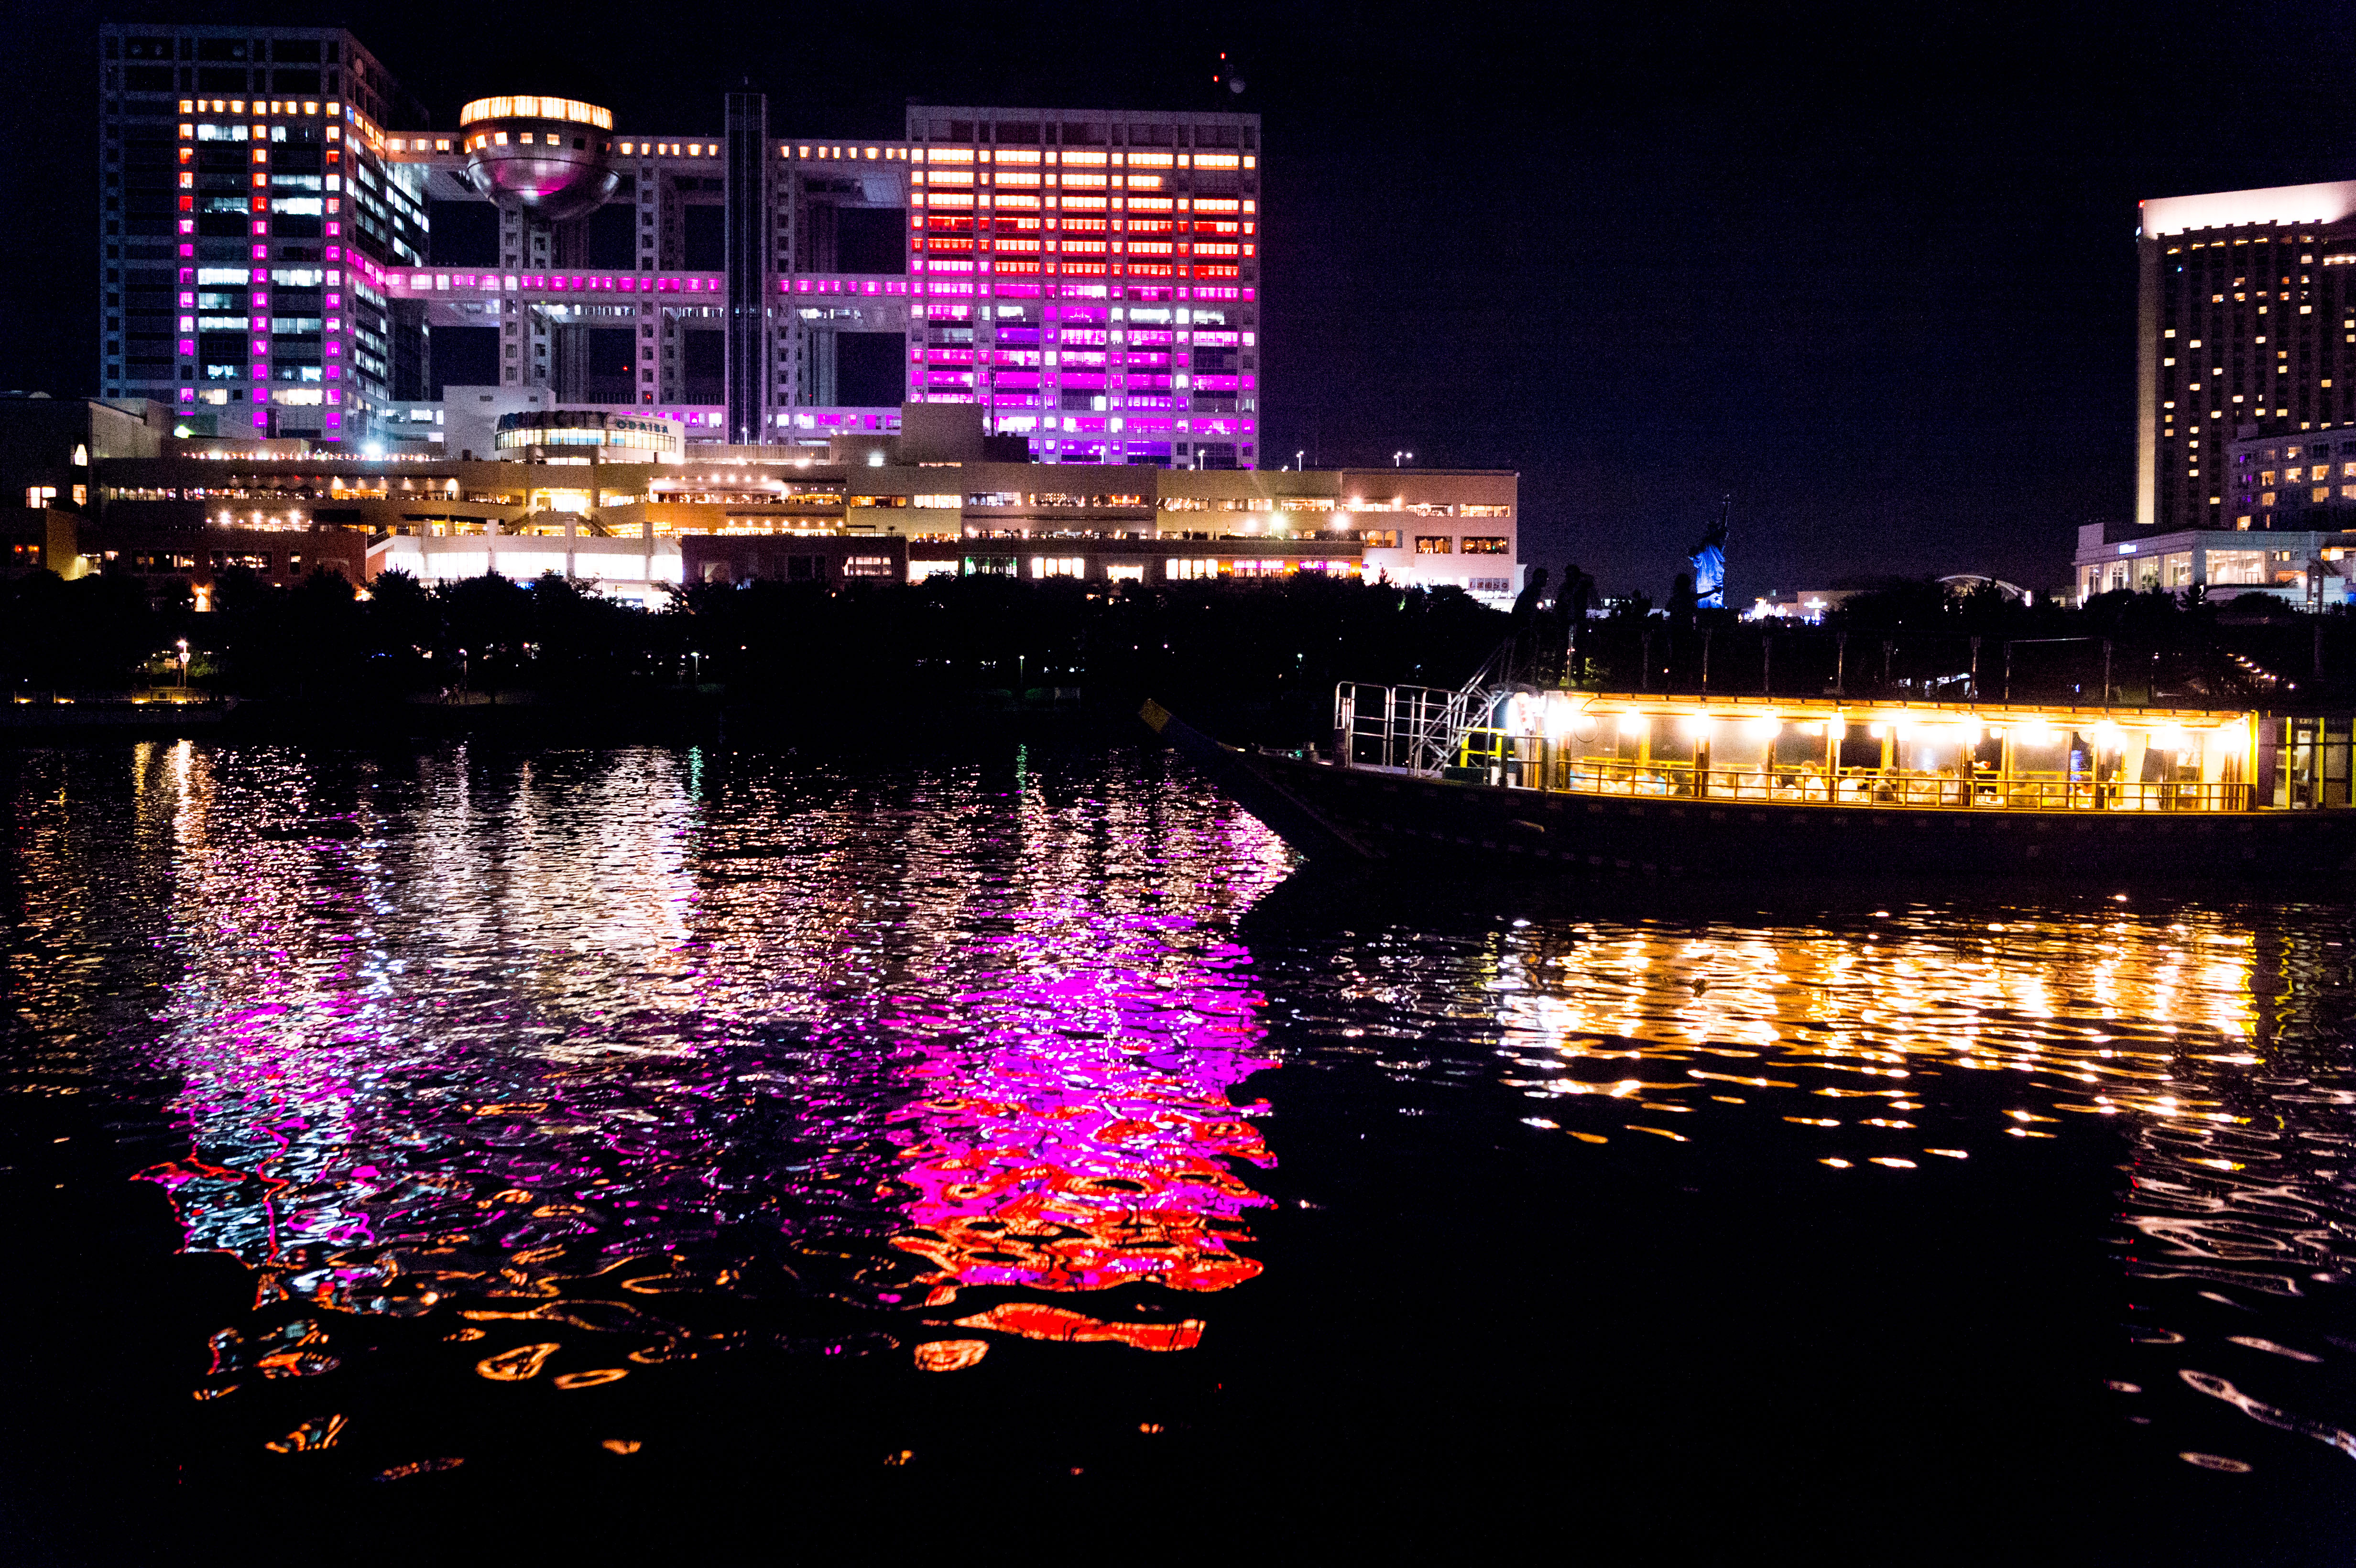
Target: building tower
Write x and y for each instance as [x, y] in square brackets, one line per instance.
[1090, 278]
[240, 184]
[749, 269]
[2246, 327]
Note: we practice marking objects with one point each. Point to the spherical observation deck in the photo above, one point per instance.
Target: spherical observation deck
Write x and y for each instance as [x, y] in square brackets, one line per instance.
[547, 156]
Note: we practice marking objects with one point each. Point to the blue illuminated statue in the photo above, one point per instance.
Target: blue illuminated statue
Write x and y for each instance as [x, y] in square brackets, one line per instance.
[1708, 561]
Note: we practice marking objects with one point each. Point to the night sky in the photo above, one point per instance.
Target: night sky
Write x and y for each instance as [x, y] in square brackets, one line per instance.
[1871, 273]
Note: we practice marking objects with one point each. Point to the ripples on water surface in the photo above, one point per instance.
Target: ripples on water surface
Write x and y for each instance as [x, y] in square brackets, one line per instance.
[624, 1121]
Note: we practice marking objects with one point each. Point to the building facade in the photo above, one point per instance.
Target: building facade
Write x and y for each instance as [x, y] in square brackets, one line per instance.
[291, 248]
[622, 503]
[2245, 330]
[2301, 481]
[1091, 279]
[2299, 565]
[243, 222]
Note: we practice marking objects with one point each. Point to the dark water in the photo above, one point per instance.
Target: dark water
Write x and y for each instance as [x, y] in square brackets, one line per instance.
[683, 1153]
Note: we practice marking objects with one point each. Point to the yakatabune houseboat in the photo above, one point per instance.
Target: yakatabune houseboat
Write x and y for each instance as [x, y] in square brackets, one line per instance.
[1746, 785]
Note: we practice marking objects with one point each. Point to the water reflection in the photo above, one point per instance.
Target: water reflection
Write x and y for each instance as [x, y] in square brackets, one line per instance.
[2207, 1046]
[588, 1063]
[1060, 1156]
[601, 1044]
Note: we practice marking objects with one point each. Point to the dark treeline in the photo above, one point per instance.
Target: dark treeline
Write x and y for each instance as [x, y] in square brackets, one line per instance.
[1209, 646]
[795, 649]
[321, 640]
[1262, 655]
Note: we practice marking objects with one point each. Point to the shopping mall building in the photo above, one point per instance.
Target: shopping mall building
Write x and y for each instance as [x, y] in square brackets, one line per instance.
[622, 501]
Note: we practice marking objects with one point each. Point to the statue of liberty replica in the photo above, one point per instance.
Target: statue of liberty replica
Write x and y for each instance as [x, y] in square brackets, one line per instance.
[1708, 561]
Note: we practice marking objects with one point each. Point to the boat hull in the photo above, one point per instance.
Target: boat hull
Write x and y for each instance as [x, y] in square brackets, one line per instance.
[1377, 817]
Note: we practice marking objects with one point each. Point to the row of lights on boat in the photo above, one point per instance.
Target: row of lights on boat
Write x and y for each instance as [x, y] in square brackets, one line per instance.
[2107, 735]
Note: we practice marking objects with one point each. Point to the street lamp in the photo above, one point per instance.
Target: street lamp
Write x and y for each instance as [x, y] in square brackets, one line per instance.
[184, 664]
[1397, 458]
[1297, 457]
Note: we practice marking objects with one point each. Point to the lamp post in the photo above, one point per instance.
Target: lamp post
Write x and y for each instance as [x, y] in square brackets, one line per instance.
[1297, 457]
[1398, 457]
[184, 664]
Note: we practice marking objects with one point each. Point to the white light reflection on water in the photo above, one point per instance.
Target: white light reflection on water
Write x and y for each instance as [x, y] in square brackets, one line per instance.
[568, 1038]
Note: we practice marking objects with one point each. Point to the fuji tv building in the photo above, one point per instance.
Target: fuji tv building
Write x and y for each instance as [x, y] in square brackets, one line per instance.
[290, 249]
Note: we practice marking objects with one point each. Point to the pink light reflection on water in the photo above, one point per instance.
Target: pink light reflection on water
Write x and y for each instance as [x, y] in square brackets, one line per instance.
[1088, 1146]
[510, 1043]
[1088, 1140]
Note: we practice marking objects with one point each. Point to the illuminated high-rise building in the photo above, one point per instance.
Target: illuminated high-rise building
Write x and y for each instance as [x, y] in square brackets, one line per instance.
[231, 191]
[2246, 330]
[291, 248]
[1091, 279]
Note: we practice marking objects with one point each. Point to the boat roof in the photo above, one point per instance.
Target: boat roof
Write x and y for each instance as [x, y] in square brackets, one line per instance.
[1859, 710]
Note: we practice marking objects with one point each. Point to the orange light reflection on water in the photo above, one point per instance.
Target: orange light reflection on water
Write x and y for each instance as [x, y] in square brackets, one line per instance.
[556, 1039]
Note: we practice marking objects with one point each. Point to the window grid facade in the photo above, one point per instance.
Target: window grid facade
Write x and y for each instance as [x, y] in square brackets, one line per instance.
[242, 203]
[2246, 327]
[1089, 278]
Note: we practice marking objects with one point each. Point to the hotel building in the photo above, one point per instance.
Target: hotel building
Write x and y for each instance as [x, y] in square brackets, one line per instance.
[2246, 336]
[291, 248]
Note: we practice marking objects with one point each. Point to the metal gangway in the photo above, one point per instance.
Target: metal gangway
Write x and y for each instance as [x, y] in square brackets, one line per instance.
[1417, 730]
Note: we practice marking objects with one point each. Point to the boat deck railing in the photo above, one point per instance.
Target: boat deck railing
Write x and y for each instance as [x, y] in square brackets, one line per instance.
[1528, 761]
